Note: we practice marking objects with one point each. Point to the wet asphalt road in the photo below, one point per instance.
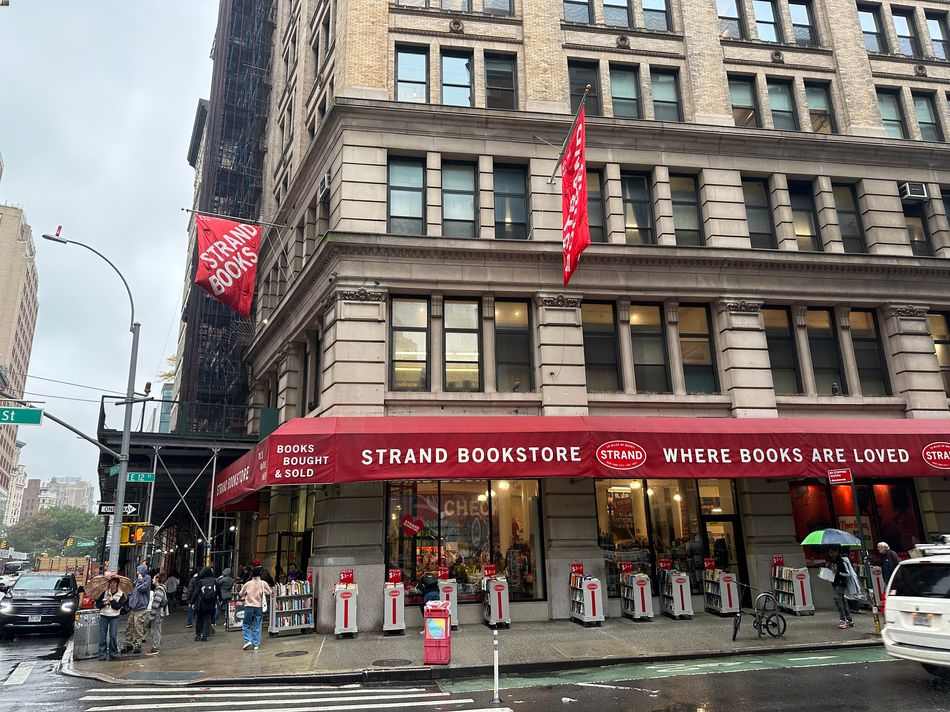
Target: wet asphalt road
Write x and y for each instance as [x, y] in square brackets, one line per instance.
[30, 679]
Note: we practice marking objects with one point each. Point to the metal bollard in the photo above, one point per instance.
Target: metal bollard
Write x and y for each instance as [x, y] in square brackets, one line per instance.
[496, 698]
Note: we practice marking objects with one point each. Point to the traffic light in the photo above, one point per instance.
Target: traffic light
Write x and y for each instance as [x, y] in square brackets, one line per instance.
[70, 542]
[134, 533]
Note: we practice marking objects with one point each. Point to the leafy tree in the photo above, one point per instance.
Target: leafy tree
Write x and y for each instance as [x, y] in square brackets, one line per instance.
[46, 531]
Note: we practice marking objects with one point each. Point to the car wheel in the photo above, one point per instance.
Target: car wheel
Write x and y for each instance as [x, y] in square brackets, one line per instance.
[937, 671]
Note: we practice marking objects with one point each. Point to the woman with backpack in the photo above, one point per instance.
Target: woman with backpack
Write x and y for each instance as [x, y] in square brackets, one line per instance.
[110, 605]
[158, 609]
[205, 598]
[254, 593]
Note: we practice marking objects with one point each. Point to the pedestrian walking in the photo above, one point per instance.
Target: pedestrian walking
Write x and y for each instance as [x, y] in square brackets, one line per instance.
[204, 600]
[889, 560]
[226, 587]
[255, 594]
[110, 605]
[171, 587]
[158, 609]
[189, 593]
[839, 576]
[138, 611]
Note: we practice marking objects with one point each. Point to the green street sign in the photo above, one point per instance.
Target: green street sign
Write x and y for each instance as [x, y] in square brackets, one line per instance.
[21, 416]
[113, 471]
[140, 477]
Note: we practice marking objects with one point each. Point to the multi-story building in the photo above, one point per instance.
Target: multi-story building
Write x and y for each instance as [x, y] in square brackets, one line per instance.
[14, 503]
[226, 151]
[768, 207]
[18, 309]
[70, 492]
[32, 495]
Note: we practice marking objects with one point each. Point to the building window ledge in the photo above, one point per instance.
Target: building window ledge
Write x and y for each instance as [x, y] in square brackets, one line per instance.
[877, 403]
[452, 14]
[904, 59]
[640, 399]
[736, 42]
[507, 399]
[614, 30]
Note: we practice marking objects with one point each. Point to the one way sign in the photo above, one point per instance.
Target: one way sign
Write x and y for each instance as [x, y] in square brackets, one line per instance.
[128, 510]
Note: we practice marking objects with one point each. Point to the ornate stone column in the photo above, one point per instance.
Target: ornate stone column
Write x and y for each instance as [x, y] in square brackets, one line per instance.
[746, 369]
[561, 362]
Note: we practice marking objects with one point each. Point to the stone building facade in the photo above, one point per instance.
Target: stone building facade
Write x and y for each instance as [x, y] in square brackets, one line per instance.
[769, 205]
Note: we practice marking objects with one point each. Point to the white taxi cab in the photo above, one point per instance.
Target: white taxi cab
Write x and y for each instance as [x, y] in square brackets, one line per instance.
[917, 612]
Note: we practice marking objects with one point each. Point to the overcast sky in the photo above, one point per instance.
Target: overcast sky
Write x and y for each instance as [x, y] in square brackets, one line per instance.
[96, 109]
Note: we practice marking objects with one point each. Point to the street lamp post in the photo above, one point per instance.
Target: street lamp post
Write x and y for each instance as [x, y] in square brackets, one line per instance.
[116, 534]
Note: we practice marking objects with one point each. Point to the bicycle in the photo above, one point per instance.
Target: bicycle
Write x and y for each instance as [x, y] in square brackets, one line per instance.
[766, 620]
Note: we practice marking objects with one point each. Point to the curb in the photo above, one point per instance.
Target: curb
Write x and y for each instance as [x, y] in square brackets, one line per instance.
[432, 674]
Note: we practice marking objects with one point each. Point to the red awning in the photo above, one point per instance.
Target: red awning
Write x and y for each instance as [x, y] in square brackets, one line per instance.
[333, 450]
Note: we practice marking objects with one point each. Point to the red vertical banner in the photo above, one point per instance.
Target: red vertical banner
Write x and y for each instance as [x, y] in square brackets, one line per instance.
[575, 229]
[227, 260]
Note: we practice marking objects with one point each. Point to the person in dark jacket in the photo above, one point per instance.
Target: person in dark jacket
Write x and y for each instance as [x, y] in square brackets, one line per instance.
[189, 592]
[135, 629]
[226, 588]
[889, 560]
[205, 599]
[841, 570]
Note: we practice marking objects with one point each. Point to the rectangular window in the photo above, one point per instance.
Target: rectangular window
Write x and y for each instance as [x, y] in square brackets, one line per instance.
[825, 353]
[498, 7]
[782, 104]
[939, 38]
[582, 74]
[696, 349]
[461, 338]
[766, 21]
[742, 95]
[409, 344]
[577, 11]
[803, 25]
[666, 95]
[600, 347]
[804, 218]
[514, 372]
[917, 231]
[511, 203]
[656, 15]
[872, 367]
[465, 525]
[686, 221]
[406, 190]
[927, 117]
[637, 209]
[759, 214]
[595, 207]
[783, 356]
[500, 82]
[650, 362]
[625, 91]
[617, 13]
[818, 98]
[874, 39]
[459, 200]
[940, 331]
[457, 79]
[412, 74]
[730, 21]
[457, 5]
[889, 102]
[849, 220]
[907, 43]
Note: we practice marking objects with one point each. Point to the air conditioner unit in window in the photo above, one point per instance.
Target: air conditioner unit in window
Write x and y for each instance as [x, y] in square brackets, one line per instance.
[324, 186]
[913, 192]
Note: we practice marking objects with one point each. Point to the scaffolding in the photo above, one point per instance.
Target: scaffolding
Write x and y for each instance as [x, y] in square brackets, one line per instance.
[213, 371]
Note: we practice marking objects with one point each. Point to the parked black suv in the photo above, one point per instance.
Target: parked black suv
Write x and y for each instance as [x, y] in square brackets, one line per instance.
[40, 602]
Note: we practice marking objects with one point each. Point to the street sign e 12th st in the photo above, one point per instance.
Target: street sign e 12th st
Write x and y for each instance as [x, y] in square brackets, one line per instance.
[21, 416]
[140, 477]
[108, 508]
[840, 477]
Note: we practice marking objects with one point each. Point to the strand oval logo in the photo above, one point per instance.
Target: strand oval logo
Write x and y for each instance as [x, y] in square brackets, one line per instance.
[937, 455]
[621, 455]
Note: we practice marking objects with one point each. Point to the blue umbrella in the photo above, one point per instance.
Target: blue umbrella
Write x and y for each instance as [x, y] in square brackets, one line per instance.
[830, 537]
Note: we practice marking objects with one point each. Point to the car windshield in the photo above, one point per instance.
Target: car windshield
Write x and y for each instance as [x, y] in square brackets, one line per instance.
[43, 583]
[922, 580]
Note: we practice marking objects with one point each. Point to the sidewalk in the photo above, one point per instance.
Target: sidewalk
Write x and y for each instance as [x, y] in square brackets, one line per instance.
[526, 647]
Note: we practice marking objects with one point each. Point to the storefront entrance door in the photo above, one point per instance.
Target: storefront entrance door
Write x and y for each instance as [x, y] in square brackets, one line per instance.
[722, 528]
[293, 550]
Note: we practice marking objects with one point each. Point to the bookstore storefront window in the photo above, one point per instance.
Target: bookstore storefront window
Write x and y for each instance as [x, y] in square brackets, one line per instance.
[888, 513]
[465, 525]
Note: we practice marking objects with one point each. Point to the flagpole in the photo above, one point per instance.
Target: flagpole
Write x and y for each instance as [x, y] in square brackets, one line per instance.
[232, 217]
[570, 132]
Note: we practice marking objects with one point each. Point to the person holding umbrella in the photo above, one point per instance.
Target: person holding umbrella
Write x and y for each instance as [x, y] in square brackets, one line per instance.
[838, 570]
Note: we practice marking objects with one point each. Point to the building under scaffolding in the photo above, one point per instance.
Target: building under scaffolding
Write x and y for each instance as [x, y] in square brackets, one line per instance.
[227, 153]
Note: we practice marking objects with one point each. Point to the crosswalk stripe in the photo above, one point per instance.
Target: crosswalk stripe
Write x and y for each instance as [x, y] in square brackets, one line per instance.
[330, 708]
[19, 674]
[219, 688]
[238, 703]
[215, 695]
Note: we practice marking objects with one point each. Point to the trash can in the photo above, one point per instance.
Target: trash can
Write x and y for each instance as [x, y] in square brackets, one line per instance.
[437, 638]
[86, 635]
